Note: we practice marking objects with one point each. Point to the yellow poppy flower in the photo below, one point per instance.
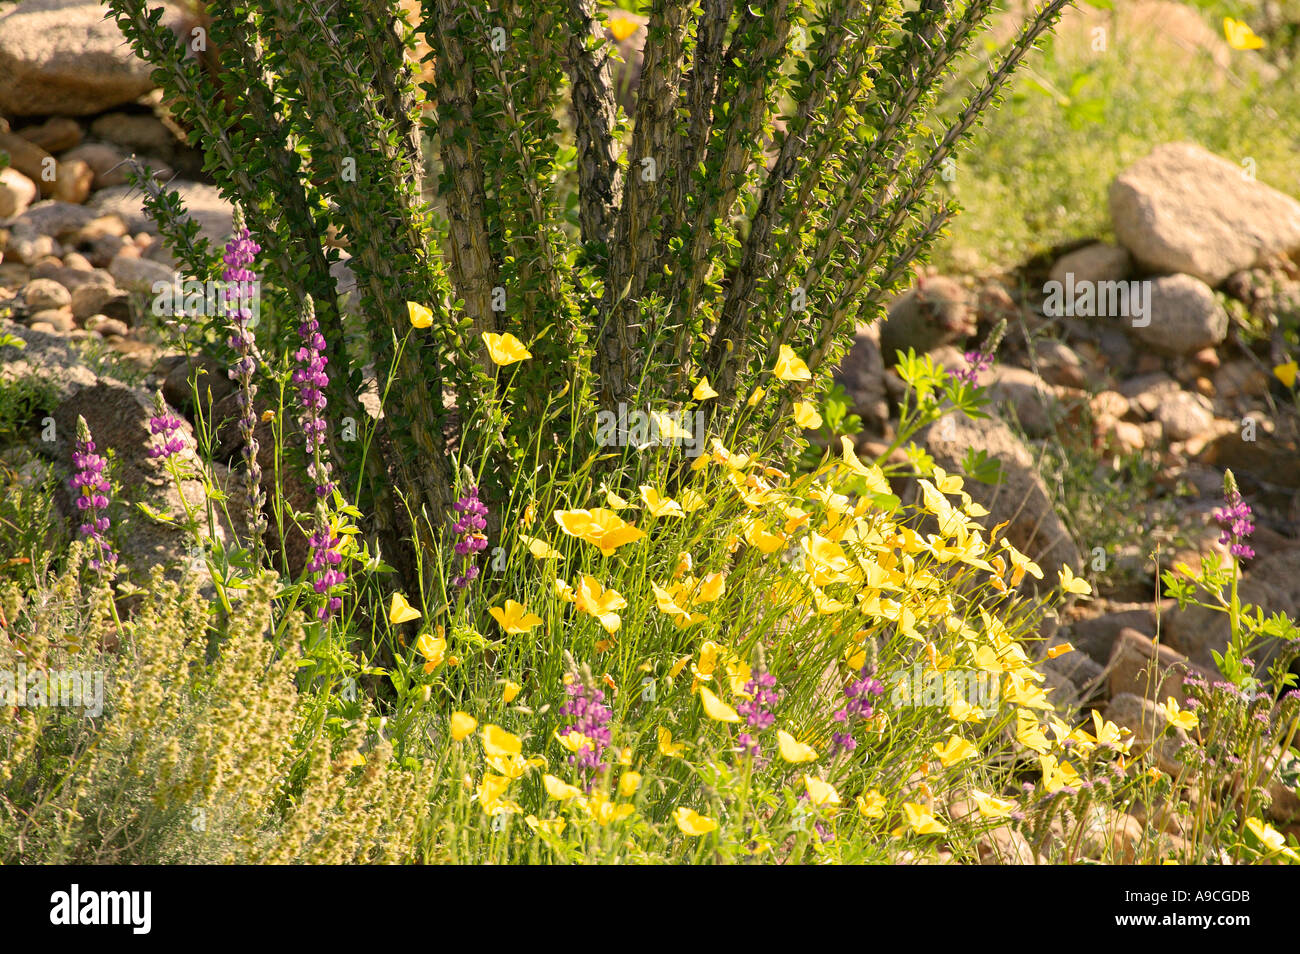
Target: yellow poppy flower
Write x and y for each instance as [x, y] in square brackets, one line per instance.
[433, 649]
[1240, 36]
[790, 367]
[871, 804]
[806, 416]
[498, 742]
[1071, 583]
[667, 747]
[703, 390]
[621, 27]
[628, 783]
[991, 806]
[692, 823]
[716, 709]
[1179, 718]
[515, 618]
[505, 349]
[1286, 373]
[559, 790]
[462, 724]
[792, 751]
[421, 317]
[921, 820]
[540, 549]
[400, 611]
[511, 691]
[595, 600]
[602, 528]
[820, 792]
[660, 505]
[955, 750]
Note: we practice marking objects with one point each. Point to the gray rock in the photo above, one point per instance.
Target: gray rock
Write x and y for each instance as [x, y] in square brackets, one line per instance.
[1184, 415]
[26, 245]
[63, 57]
[17, 192]
[43, 293]
[138, 133]
[1183, 316]
[56, 134]
[203, 203]
[55, 218]
[106, 326]
[862, 375]
[1184, 209]
[1023, 397]
[57, 319]
[90, 299]
[139, 274]
[1098, 262]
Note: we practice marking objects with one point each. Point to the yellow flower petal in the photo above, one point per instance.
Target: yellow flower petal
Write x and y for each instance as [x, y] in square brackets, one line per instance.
[692, 823]
[790, 367]
[703, 391]
[559, 790]
[421, 317]
[793, 751]
[462, 724]
[806, 416]
[505, 349]
[716, 709]
[401, 611]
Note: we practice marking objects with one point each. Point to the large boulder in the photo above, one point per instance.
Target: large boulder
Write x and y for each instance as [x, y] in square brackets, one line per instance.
[1184, 209]
[67, 57]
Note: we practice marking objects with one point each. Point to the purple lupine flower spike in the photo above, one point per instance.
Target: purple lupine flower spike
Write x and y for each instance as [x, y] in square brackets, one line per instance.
[240, 281]
[92, 489]
[1236, 520]
[165, 426]
[469, 528]
[311, 380]
[756, 710]
[981, 359]
[590, 718]
[857, 709]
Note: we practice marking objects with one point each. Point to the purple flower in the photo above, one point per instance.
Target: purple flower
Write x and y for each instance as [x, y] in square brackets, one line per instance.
[164, 425]
[92, 489]
[857, 709]
[469, 528]
[981, 359]
[311, 380]
[589, 717]
[324, 566]
[756, 710]
[1235, 519]
[240, 253]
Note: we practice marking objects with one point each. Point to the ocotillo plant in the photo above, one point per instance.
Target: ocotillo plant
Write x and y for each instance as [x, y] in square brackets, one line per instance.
[770, 189]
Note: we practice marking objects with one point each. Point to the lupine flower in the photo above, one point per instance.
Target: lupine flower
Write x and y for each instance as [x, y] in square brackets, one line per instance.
[1235, 519]
[981, 359]
[857, 709]
[324, 566]
[165, 426]
[239, 278]
[311, 381]
[92, 489]
[469, 528]
[590, 720]
[756, 710]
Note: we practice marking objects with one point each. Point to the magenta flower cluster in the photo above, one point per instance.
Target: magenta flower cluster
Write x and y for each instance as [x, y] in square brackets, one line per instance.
[589, 717]
[1236, 520]
[240, 253]
[92, 489]
[756, 710]
[857, 709]
[469, 528]
[324, 565]
[976, 363]
[165, 426]
[311, 381]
